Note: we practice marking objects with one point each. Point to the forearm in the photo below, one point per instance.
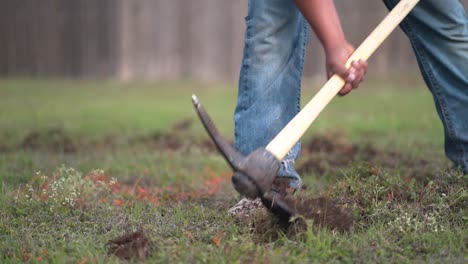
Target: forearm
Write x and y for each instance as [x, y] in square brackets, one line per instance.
[322, 16]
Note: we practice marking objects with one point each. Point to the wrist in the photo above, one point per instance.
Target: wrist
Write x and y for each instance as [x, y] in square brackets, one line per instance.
[337, 43]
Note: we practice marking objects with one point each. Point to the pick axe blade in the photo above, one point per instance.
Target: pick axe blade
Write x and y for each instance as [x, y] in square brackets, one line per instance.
[254, 174]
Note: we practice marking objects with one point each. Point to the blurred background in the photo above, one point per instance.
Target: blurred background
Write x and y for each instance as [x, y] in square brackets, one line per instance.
[159, 39]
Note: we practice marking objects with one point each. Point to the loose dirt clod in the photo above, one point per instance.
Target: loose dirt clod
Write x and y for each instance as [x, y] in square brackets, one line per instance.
[131, 246]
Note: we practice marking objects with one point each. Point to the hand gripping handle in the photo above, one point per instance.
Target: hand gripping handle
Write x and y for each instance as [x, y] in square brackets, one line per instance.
[294, 130]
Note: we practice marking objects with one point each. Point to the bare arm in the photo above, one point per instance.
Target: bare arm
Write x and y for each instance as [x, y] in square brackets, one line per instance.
[322, 16]
[324, 20]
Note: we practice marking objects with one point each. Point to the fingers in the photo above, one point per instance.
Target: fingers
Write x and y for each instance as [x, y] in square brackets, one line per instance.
[358, 68]
[353, 76]
[345, 90]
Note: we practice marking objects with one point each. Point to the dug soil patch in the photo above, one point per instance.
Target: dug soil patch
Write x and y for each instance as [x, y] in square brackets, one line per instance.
[178, 137]
[332, 152]
[56, 140]
[323, 211]
[159, 141]
[316, 213]
[131, 246]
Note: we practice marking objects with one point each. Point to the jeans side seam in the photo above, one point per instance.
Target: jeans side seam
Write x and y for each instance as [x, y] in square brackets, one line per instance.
[245, 74]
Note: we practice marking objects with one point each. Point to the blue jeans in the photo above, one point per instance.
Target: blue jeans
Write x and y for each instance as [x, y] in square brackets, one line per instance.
[270, 78]
[438, 32]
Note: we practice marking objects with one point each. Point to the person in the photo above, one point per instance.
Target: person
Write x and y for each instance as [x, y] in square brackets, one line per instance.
[277, 32]
[438, 33]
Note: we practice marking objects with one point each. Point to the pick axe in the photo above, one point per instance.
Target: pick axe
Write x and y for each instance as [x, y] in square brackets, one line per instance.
[254, 174]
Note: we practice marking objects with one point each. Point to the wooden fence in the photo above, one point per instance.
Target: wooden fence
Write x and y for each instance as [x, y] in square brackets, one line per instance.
[152, 39]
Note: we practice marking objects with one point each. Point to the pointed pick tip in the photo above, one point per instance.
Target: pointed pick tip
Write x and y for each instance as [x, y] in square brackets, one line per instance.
[195, 100]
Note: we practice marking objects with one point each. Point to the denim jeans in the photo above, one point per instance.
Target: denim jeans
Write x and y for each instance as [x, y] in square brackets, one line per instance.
[438, 32]
[270, 77]
[276, 37]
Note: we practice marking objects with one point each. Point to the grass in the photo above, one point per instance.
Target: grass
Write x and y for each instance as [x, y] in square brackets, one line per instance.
[408, 206]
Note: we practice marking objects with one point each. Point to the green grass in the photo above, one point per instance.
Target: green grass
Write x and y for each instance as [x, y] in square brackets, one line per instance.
[407, 208]
[393, 116]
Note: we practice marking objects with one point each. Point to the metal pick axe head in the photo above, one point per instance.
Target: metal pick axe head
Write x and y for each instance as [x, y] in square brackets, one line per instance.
[254, 174]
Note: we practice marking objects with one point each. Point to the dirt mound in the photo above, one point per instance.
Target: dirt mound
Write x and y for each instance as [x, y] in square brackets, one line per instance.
[171, 140]
[159, 141]
[323, 211]
[332, 152]
[178, 137]
[316, 213]
[132, 246]
[327, 153]
[3, 148]
[53, 139]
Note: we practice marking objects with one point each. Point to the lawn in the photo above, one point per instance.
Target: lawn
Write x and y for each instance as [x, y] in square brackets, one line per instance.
[83, 163]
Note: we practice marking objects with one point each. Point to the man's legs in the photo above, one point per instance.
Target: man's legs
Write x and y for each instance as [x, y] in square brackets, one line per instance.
[438, 31]
[269, 85]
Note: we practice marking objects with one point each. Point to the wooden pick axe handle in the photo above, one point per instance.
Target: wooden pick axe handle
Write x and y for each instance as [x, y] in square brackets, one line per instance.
[294, 130]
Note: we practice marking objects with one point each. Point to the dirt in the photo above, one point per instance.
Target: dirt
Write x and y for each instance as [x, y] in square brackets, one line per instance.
[3, 148]
[322, 154]
[322, 210]
[53, 139]
[282, 186]
[58, 140]
[177, 138]
[313, 212]
[182, 125]
[332, 152]
[328, 153]
[159, 141]
[131, 246]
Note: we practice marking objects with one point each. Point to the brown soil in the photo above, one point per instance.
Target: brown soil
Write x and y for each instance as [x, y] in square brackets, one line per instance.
[323, 154]
[331, 153]
[131, 246]
[282, 186]
[183, 125]
[159, 141]
[178, 137]
[328, 153]
[57, 140]
[53, 139]
[208, 146]
[3, 148]
[323, 212]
